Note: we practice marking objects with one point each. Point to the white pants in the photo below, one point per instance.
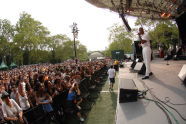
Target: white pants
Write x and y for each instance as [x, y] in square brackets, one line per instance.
[147, 59]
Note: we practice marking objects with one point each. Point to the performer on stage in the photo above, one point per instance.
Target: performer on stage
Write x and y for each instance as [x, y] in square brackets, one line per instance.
[145, 43]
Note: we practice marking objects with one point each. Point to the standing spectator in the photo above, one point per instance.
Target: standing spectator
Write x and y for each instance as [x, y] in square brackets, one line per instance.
[44, 99]
[116, 65]
[31, 97]
[22, 99]
[1, 111]
[111, 75]
[13, 93]
[71, 100]
[11, 110]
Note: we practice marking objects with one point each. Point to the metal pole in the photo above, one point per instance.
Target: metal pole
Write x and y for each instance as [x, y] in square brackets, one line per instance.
[75, 55]
[75, 33]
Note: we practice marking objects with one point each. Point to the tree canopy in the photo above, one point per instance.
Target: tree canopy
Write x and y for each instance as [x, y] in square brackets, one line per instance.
[120, 39]
[162, 33]
[29, 42]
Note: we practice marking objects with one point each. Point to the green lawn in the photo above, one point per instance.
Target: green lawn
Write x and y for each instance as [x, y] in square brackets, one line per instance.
[103, 112]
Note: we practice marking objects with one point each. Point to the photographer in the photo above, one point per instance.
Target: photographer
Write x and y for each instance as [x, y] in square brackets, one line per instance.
[72, 99]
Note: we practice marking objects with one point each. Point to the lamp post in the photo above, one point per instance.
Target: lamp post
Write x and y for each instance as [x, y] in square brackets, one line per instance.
[75, 35]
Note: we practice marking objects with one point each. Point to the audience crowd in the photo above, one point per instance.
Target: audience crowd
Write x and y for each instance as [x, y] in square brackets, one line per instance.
[26, 87]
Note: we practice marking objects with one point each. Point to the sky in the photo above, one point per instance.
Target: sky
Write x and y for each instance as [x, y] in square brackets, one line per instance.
[59, 15]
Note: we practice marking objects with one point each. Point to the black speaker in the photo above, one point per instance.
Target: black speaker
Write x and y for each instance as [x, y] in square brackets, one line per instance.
[143, 70]
[128, 91]
[137, 50]
[184, 82]
[121, 66]
[117, 54]
[182, 74]
[138, 66]
[133, 64]
[128, 95]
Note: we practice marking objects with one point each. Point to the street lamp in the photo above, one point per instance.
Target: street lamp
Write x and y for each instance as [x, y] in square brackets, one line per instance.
[75, 34]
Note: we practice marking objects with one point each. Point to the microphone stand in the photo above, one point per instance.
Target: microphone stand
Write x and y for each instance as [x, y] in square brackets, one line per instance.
[167, 62]
[167, 59]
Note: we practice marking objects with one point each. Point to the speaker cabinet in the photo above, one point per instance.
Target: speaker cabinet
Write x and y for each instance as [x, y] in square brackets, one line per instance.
[142, 70]
[133, 64]
[128, 91]
[138, 66]
[182, 74]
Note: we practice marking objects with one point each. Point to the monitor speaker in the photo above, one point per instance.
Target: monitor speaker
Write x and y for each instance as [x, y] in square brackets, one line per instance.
[128, 91]
[182, 74]
[138, 66]
[133, 64]
[142, 70]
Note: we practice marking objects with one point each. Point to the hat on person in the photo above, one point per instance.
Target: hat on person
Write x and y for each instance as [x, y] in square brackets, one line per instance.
[4, 95]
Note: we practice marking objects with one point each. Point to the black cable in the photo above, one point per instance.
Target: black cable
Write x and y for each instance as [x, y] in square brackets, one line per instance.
[163, 109]
[142, 95]
[168, 100]
[159, 104]
[164, 102]
[171, 108]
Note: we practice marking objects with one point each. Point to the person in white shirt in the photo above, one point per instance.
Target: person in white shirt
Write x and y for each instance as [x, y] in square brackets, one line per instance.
[13, 93]
[145, 43]
[111, 74]
[22, 99]
[11, 110]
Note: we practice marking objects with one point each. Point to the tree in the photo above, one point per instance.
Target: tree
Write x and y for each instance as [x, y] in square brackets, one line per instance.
[29, 42]
[120, 39]
[117, 30]
[165, 33]
[30, 35]
[82, 52]
[123, 44]
[68, 50]
[149, 24]
[6, 39]
[161, 31]
[55, 46]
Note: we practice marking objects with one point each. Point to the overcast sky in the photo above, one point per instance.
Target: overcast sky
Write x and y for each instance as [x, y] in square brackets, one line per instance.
[58, 15]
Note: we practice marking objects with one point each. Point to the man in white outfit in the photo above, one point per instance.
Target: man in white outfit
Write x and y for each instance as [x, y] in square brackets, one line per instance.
[145, 43]
[111, 75]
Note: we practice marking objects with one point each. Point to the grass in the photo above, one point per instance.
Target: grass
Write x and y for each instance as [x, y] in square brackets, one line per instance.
[104, 110]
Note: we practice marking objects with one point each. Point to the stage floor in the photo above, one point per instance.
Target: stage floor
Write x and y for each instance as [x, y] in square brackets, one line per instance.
[164, 83]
